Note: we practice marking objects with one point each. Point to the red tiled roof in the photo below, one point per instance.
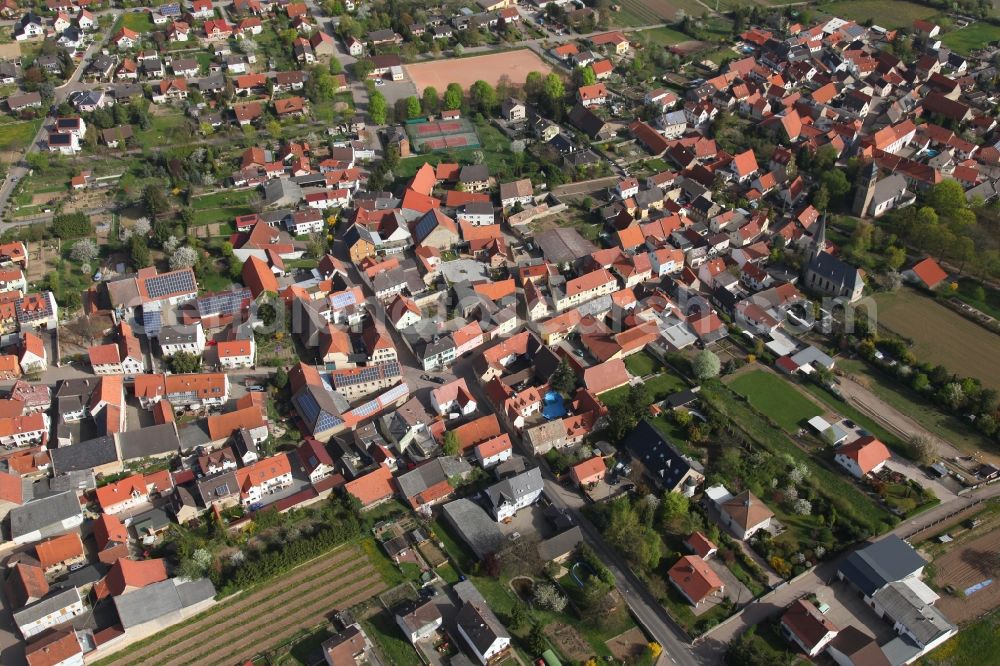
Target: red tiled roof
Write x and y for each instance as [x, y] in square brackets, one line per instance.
[867, 452]
[59, 549]
[693, 575]
[372, 487]
[929, 272]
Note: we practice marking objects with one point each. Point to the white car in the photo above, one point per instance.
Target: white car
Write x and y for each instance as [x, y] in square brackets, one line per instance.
[380, 82]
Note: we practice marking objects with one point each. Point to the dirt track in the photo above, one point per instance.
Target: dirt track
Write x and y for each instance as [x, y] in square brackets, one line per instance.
[235, 613]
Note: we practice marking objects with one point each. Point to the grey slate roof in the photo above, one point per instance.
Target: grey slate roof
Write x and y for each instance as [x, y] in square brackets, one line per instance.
[514, 488]
[43, 513]
[418, 480]
[85, 455]
[923, 621]
[476, 528]
[46, 606]
[159, 599]
[876, 565]
[150, 441]
[480, 625]
[657, 455]
[833, 269]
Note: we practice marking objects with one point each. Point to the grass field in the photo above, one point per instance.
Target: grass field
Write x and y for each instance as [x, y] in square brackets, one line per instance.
[141, 22]
[940, 335]
[651, 12]
[663, 36]
[772, 396]
[164, 131]
[642, 364]
[891, 15]
[975, 36]
[15, 137]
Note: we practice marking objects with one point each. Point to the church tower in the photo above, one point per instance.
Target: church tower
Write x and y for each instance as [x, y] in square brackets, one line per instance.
[865, 189]
[818, 240]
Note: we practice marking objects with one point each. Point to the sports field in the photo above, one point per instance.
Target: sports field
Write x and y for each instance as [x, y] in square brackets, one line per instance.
[772, 396]
[515, 65]
[443, 134]
[941, 336]
[237, 630]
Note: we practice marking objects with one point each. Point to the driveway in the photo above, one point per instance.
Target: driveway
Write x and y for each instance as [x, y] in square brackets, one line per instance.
[889, 417]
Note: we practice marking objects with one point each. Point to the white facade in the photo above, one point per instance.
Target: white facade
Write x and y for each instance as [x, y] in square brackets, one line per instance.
[195, 346]
[56, 617]
[255, 493]
[241, 360]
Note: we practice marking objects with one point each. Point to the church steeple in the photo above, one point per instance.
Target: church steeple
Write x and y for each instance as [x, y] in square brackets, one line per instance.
[865, 190]
[819, 238]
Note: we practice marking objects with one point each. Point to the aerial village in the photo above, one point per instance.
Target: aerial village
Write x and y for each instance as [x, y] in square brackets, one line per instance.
[366, 332]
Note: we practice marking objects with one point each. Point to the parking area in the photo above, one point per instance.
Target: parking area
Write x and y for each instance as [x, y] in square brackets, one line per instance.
[396, 90]
[846, 607]
[527, 523]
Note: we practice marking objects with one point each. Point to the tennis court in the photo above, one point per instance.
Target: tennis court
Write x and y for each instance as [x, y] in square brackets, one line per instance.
[443, 134]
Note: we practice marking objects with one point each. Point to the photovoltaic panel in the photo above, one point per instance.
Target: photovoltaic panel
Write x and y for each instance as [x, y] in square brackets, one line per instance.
[170, 283]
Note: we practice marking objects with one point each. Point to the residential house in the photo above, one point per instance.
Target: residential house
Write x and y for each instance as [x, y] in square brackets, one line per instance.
[864, 456]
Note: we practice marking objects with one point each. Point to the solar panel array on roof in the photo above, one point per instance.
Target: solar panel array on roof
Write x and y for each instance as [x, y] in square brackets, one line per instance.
[368, 374]
[180, 282]
[152, 321]
[343, 299]
[394, 394]
[226, 303]
[367, 409]
[425, 226]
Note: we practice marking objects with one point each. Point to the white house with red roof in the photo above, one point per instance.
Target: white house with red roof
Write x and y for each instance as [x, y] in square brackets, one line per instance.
[927, 273]
[122, 495]
[264, 477]
[236, 353]
[863, 456]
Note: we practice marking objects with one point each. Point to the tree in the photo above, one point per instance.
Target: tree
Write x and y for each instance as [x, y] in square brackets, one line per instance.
[138, 250]
[554, 92]
[183, 257]
[280, 378]
[154, 200]
[706, 365]
[183, 362]
[548, 597]
[84, 250]
[431, 103]
[952, 395]
[377, 108]
[923, 449]
[484, 97]
[453, 97]
[563, 379]
[451, 446]
[895, 257]
[673, 505]
[533, 87]
[836, 183]
[537, 641]
[71, 225]
[412, 107]
[821, 198]
[584, 76]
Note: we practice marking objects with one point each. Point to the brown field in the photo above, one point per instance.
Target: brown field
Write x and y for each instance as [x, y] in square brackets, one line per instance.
[570, 642]
[514, 65]
[237, 630]
[629, 645]
[965, 566]
[941, 336]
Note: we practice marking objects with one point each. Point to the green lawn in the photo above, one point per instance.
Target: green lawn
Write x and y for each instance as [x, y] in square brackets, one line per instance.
[305, 650]
[663, 36]
[660, 386]
[165, 130]
[968, 291]
[973, 37]
[841, 493]
[772, 396]
[388, 638]
[890, 15]
[971, 645]
[15, 137]
[642, 364]
[223, 214]
[141, 22]
[221, 199]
